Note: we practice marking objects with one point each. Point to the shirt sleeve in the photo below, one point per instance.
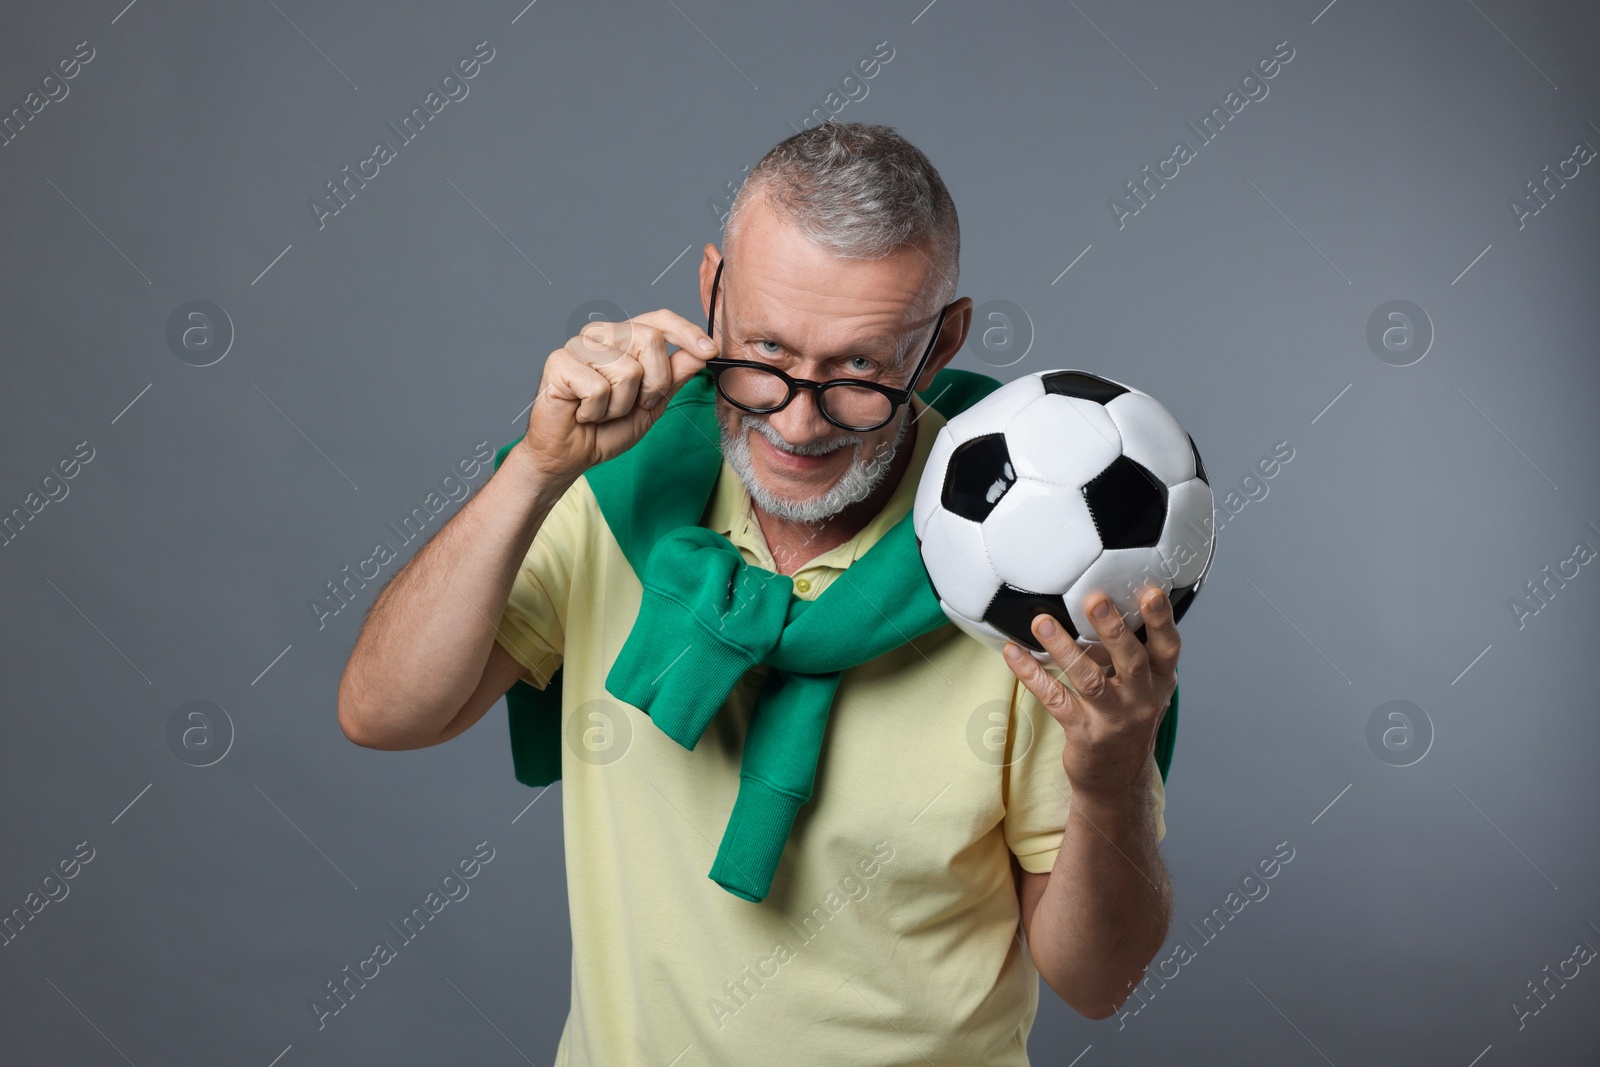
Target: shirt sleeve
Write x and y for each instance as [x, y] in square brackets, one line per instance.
[533, 625]
[1037, 793]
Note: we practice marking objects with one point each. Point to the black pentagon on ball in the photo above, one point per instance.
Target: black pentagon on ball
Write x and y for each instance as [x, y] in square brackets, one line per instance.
[1128, 504]
[977, 477]
[1181, 598]
[1012, 612]
[1199, 468]
[1082, 385]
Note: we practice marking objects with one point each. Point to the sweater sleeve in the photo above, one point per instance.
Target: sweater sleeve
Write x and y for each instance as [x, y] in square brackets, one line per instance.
[532, 627]
[1037, 793]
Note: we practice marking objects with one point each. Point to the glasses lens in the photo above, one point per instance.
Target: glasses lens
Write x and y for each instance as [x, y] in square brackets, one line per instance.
[753, 387]
[760, 389]
[863, 409]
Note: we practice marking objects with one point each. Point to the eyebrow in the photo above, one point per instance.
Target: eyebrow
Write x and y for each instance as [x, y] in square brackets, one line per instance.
[877, 343]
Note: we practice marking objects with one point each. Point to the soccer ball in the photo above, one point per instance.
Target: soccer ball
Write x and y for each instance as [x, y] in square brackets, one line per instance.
[1052, 487]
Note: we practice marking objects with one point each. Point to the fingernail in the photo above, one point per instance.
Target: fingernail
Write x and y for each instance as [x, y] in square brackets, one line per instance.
[1048, 627]
[706, 344]
[1102, 610]
[1012, 651]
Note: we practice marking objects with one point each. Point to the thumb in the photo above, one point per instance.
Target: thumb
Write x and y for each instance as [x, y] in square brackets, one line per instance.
[616, 436]
[685, 365]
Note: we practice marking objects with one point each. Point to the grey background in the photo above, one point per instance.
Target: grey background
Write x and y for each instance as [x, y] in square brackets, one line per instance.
[376, 352]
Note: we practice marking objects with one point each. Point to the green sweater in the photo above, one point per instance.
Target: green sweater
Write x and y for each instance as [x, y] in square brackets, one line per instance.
[706, 617]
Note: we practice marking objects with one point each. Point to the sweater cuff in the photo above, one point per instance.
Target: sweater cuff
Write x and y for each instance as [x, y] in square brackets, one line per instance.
[680, 684]
[757, 830]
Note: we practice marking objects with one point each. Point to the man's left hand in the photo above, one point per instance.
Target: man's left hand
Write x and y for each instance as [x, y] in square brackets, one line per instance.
[1110, 721]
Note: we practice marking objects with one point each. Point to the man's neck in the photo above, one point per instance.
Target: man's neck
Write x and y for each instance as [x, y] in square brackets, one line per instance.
[794, 544]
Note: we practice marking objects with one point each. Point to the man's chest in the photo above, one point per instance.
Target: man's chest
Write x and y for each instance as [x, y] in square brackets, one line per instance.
[914, 754]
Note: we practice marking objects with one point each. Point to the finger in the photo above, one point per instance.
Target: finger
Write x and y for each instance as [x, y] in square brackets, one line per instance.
[685, 365]
[595, 346]
[1056, 698]
[1161, 639]
[656, 386]
[617, 436]
[1080, 668]
[627, 376]
[1127, 651]
[1099, 654]
[600, 344]
[575, 380]
[690, 339]
[615, 347]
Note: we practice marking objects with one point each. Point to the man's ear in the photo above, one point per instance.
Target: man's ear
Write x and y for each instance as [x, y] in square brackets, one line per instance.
[710, 257]
[952, 335]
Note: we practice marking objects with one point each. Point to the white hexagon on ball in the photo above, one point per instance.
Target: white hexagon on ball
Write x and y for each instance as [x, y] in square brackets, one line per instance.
[1040, 537]
[1060, 484]
[954, 546]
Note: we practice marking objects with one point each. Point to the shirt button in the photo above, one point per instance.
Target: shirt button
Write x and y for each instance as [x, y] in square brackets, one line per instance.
[803, 584]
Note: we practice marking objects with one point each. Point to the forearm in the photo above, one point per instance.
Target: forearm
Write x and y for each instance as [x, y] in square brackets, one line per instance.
[1106, 907]
[422, 648]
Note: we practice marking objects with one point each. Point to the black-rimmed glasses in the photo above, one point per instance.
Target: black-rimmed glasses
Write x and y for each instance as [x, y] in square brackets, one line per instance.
[848, 403]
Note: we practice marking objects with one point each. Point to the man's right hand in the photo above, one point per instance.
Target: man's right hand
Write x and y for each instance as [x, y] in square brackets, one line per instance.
[606, 386]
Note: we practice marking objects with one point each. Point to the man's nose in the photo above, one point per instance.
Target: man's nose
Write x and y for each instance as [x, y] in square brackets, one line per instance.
[802, 421]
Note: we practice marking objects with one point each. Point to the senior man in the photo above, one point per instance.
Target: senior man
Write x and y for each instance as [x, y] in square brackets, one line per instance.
[903, 830]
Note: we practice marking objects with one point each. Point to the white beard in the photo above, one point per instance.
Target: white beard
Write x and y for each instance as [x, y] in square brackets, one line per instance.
[859, 481]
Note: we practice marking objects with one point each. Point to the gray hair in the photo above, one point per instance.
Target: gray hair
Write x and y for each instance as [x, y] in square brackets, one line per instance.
[861, 191]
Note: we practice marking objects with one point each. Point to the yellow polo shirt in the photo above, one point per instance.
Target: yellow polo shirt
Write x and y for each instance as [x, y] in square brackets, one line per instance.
[891, 934]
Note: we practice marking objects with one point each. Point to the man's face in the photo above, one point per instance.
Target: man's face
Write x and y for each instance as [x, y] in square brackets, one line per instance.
[797, 307]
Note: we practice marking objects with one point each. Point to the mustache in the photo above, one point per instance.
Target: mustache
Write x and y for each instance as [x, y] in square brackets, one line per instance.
[816, 448]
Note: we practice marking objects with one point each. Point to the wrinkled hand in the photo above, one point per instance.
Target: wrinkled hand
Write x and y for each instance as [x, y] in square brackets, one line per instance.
[607, 386]
[1110, 721]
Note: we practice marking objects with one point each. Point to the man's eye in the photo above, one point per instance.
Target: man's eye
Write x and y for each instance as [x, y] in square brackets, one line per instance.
[776, 348]
[862, 365]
